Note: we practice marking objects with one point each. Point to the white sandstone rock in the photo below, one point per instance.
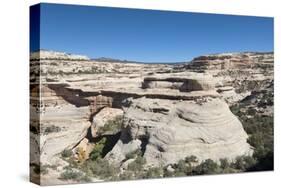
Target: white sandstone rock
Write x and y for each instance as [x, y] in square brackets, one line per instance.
[104, 116]
[177, 129]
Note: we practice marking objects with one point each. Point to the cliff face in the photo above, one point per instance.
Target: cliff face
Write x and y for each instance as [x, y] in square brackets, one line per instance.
[168, 112]
[232, 61]
[63, 122]
[168, 131]
[236, 74]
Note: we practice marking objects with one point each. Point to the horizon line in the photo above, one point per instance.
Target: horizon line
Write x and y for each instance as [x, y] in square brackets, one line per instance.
[147, 62]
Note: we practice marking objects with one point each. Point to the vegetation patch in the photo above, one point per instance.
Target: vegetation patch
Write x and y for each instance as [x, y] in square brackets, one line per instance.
[66, 153]
[112, 126]
[137, 164]
[97, 152]
[74, 174]
[259, 127]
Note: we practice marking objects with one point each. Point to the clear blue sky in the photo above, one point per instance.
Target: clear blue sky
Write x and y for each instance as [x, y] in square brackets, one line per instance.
[149, 35]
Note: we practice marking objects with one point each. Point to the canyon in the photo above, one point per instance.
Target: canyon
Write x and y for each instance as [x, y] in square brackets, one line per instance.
[165, 111]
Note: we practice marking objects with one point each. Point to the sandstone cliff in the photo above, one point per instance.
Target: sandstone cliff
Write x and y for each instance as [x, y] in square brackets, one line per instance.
[168, 112]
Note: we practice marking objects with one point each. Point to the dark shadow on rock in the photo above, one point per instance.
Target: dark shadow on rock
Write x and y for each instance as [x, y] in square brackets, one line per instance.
[72, 96]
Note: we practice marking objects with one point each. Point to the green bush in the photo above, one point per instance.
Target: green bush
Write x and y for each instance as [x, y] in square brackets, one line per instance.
[96, 153]
[101, 168]
[127, 175]
[66, 153]
[207, 167]
[259, 127]
[154, 172]
[224, 164]
[137, 164]
[243, 163]
[70, 174]
[183, 167]
[191, 159]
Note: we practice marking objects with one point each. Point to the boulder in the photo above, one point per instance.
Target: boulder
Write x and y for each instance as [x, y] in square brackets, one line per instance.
[172, 130]
[123, 147]
[83, 150]
[102, 118]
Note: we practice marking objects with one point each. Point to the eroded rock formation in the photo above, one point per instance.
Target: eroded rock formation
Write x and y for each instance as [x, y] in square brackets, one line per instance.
[168, 111]
[63, 120]
[233, 61]
[173, 130]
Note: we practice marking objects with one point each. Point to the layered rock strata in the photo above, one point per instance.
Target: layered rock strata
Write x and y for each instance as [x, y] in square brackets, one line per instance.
[168, 131]
[61, 124]
[168, 111]
[233, 61]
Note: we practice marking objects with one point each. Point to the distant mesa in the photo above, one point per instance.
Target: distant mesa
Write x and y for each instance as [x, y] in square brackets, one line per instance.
[53, 55]
[232, 60]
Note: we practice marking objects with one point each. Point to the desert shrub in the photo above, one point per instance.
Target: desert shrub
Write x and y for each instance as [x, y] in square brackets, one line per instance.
[181, 167]
[85, 178]
[70, 174]
[191, 159]
[154, 172]
[235, 109]
[243, 163]
[96, 153]
[207, 167]
[263, 163]
[66, 153]
[259, 127]
[127, 175]
[260, 130]
[137, 164]
[224, 164]
[75, 172]
[133, 154]
[101, 168]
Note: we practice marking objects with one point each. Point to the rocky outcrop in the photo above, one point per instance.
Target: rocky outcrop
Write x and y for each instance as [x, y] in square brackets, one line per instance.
[167, 113]
[181, 83]
[168, 131]
[62, 124]
[244, 72]
[232, 61]
[49, 55]
[102, 119]
[98, 102]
